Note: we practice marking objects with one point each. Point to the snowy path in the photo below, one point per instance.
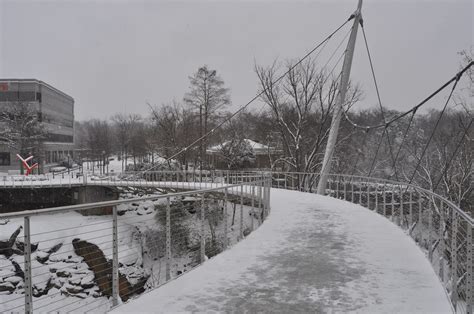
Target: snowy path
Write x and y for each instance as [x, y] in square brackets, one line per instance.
[313, 254]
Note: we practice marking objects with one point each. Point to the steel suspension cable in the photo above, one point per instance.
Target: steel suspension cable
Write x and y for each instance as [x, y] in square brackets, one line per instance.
[448, 164]
[385, 132]
[375, 156]
[434, 129]
[325, 65]
[242, 108]
[415, 108]
[404, 137]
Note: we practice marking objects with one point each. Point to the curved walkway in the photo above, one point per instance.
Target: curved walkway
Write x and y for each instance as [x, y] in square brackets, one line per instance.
[313, 254]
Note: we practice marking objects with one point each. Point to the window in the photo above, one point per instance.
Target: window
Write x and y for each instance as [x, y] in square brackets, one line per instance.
[17, 96]
[59, 138]
[4, 159]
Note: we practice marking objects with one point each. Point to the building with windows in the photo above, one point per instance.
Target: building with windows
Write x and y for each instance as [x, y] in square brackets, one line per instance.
[55, 111]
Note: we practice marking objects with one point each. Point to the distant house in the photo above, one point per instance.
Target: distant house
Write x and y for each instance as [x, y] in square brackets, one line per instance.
[242, 154]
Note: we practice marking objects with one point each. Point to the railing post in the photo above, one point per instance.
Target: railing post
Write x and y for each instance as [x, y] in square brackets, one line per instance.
[203, 240]
[241, 223]
[337, 188]
[441, 244]
[115, 271]
[267, 209]
[352, 189]
[410, 213]
[384, 201]
[401, 206]
[368, 195]
[454, 259]
[376, 197]
[393, 203]
[420, 216]
[253, 207]
[260, 201]
[226, 227]
[28, 274]
[168, 239]
[345, 190]
[430, 229]
[470, 272]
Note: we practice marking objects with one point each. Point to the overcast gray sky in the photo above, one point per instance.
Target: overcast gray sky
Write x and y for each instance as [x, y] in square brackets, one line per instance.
[113, 56]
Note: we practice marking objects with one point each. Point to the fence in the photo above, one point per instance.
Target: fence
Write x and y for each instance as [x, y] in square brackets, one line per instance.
[61, 260]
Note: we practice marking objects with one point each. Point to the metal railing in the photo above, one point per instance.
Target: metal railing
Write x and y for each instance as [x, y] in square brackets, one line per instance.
[64, 259]
[439, 227]
[213, 177]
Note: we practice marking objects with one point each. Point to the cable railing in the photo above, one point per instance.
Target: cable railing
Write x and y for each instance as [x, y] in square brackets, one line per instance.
[440, 228]
[63, 261]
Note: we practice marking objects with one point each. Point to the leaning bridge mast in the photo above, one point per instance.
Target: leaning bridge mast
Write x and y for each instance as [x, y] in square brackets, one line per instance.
[336, 119]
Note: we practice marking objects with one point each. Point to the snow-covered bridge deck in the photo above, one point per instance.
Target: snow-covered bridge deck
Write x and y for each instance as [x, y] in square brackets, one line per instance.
[313, 254]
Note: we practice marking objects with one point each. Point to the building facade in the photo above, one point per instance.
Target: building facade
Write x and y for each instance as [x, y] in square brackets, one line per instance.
[55, 112]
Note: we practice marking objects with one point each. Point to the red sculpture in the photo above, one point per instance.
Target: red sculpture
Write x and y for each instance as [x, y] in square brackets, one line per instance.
[29, 169]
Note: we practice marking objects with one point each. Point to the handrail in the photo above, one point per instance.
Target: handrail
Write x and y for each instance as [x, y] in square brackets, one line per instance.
[426, 191]
[68, 208]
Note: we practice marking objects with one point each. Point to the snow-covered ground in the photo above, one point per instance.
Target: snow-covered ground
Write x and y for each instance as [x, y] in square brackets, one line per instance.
[313, 254]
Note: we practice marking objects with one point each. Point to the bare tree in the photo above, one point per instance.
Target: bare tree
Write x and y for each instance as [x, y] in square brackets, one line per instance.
[124, 127]
[174, 129]
[300, 106]
[21, 128]
[99, 141]
[208, 95]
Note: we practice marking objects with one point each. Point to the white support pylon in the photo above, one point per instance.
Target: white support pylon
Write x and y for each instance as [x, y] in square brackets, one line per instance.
[336, 119]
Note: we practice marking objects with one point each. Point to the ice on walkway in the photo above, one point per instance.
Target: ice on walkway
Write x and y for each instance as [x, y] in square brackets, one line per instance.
[313, 254]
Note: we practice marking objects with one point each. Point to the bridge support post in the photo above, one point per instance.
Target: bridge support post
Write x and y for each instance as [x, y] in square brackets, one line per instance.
[410, 213]
[115, 271]
[345, 190]
[420, 217]
[241, 222]
[352, 192]
[260, 201]
[336, 119]
[402, 216]
[253, 206]
[368, 195]
[376, 198]
[470, 272]
[203, 239]
[442, 244]
[430, 229]
[454, 259]
[168, 239]
[226, 227]
[393, 204]
[28, 274]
